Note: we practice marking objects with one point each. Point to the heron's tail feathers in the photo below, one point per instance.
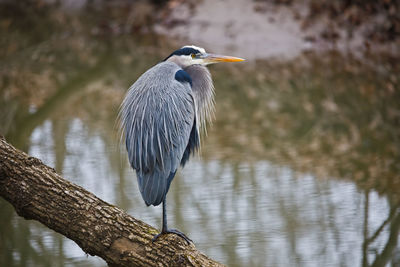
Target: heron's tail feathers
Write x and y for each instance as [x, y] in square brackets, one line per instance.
[154, 186]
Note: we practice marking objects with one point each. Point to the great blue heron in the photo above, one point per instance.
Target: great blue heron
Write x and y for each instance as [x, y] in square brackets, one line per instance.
[160, 118]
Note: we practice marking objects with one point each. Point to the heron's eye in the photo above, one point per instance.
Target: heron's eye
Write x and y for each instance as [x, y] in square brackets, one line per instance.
[193, 55]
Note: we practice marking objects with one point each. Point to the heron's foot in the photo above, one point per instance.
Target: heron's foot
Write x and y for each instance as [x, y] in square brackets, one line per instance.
[173, 231]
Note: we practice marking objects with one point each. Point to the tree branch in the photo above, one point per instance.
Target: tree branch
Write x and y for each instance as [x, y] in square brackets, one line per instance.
[37, 192]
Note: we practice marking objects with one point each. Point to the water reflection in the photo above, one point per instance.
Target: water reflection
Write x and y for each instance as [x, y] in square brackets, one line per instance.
[299, 169]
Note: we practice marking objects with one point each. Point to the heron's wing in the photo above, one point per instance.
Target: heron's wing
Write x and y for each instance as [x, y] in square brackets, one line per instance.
[193, 144]
[157, 116]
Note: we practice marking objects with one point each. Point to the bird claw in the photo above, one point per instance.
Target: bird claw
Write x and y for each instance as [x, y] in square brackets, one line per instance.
[173, 231]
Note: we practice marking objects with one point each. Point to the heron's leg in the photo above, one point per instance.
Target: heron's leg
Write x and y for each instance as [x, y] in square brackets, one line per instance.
[164, 215]
[165, 229]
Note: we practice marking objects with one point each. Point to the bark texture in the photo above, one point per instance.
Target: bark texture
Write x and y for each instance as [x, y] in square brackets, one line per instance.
[37, 192]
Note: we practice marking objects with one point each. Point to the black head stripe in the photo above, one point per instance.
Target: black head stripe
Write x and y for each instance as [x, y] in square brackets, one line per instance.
[187, 51]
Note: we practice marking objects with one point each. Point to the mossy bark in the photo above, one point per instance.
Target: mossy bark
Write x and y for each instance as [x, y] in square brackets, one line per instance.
[37, 192]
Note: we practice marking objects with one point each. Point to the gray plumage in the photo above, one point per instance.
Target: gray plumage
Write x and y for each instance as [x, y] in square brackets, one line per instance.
[157, 116]
[203, 90]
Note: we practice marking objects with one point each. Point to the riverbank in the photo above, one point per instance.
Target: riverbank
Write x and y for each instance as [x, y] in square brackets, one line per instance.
[285, 29]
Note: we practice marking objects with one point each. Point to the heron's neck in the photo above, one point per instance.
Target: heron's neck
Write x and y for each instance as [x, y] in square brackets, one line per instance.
[203, 90]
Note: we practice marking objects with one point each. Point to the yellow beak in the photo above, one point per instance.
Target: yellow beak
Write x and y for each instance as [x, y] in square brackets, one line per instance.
[212, 58]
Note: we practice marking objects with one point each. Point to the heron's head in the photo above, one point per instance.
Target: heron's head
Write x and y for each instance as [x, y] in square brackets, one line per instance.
[192, 55]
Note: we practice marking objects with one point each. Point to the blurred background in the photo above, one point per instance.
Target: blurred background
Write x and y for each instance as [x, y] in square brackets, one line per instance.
[301, 165]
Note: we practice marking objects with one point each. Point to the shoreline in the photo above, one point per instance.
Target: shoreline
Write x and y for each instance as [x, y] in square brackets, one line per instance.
[261, 30]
